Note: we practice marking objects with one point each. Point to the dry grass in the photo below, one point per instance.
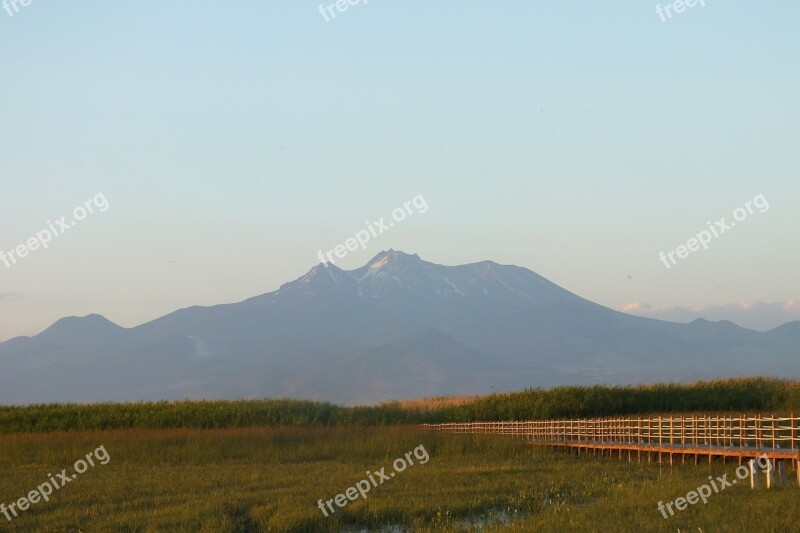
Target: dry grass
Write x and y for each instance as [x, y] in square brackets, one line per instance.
[437, 402]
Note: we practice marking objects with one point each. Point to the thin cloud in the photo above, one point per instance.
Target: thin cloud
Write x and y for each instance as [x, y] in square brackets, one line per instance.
[751, 314]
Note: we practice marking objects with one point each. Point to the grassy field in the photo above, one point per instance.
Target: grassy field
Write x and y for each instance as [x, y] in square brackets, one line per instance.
[270, 479]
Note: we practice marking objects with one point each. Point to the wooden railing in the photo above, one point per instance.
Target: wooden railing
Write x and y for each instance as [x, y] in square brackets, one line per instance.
[744, 432]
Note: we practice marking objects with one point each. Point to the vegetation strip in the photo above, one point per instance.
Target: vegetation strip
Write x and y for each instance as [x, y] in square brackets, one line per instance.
[735, 395]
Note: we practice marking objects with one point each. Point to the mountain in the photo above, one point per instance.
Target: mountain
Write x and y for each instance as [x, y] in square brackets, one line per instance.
[397, 327]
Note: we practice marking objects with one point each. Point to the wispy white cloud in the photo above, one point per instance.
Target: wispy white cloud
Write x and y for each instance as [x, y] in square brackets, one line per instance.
[752, 314]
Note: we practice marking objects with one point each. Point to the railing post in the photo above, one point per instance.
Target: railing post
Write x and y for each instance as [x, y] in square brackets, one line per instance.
[671, 425]
[639, 430]
[683, 430]
[758, 431]
[727, 432]
[741, 431]
[725, 436]
[715, 432]
[628, 434]
[659, 432]
[773, 431]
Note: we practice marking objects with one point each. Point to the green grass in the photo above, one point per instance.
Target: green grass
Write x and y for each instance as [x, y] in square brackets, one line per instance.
[731, 395]
[738, 395]
[228, 480]
[193, 414]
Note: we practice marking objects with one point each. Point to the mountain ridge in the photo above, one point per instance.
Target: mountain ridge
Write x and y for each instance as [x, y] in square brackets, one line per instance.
[359, 335]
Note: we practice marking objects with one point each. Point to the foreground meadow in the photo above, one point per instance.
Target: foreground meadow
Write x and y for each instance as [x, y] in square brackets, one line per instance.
[259, 479]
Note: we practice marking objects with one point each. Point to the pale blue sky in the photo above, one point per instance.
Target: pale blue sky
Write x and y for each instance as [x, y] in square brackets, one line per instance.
[234, 140]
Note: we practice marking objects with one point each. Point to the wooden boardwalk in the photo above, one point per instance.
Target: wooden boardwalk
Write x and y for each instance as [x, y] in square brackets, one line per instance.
[741, 438]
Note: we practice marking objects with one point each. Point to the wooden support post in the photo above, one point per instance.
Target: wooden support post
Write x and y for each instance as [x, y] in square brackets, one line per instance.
[797, 469]
[781, 472]
[753, 474]
[770, 473]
